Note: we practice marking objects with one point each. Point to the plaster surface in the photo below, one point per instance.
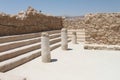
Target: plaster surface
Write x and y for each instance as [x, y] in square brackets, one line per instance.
[74, 64]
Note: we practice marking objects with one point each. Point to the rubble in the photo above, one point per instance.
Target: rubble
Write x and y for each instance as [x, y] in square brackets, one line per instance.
[32, 11]
[103, 28]
[21, 15]
[100, 28]
[73, 22]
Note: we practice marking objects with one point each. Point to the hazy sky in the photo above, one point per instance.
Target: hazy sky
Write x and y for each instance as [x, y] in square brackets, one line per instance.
[61, 7]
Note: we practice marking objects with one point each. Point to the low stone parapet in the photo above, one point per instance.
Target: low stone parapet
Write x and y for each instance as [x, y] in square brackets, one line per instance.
[101, 47]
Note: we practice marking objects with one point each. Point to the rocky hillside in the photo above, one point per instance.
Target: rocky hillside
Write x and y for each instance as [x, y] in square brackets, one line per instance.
[28, 21]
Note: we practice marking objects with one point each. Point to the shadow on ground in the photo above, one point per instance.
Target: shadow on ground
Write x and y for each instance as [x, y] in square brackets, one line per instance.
[54, 60]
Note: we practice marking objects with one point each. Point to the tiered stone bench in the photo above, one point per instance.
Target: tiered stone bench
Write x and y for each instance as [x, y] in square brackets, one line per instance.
[80, 34]
[19, 49]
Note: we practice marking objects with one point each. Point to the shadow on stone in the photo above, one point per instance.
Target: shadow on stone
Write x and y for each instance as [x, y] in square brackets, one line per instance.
[69, 49]
[77, 43]
[54, 60]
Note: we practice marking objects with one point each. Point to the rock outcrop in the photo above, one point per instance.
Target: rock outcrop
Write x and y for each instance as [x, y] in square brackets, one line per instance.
[23, 14]
[31, 10]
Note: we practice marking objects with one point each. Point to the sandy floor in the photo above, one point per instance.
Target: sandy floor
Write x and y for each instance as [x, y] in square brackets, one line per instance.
[74, 64]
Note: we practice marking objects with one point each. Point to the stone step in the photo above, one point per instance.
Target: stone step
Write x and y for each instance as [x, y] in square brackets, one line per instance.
[16, 44]
[18, 37]
[17, 61]
[18, 51]
[81, 40]
[76, 30]
[55, 40]
[21, 59]
[82, 34]
[78, 37]
[78, 33]
[4, 76]
[69, 40]
[52, 36]
[101, 47]
[53, 32]
[24, 36]
[56, 45]
[23, 48]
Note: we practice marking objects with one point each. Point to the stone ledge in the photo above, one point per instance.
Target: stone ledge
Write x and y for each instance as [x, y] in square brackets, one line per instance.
[4, 76]
[101, 47]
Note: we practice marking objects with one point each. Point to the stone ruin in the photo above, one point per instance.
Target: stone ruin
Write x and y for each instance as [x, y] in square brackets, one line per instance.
[100, 29]
[103, 28]
[29, 21]
[23, 14]
[31, 10]
[74, 22]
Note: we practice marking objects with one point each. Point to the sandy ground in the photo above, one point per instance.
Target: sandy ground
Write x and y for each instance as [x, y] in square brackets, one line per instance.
[74, 64]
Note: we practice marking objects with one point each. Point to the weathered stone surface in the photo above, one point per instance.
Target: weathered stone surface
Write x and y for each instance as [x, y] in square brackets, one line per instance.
[4, 76]
[74, 38]
[20, 53]
[103, 28]
[64, 41]
[74, 22]
[80, 34]
[45, 48]
[100, 28]
[29, 21]
[93, 47]
[31, 10]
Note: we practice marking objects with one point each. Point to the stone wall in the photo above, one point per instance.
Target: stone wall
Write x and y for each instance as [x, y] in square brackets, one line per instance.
[103, 28]
[100, 28]
[74, 22]
[29, 21]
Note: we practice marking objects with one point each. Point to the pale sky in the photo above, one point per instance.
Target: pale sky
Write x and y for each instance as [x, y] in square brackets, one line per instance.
[61, 7]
